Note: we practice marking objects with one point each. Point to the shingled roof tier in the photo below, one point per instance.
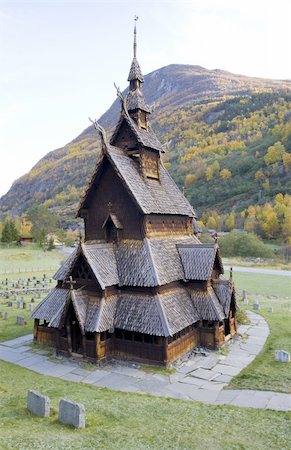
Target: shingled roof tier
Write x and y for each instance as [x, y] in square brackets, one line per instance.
[151, 196]
[147, 263]
[224, 290]
[147, 138]
[135, 100]
[198, 260]
[161, 314]
[51, 305]
[135, 71]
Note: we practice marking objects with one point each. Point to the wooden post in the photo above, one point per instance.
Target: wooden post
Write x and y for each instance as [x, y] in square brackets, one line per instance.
[69, 335]
[36, 324]
[84, 345]
[97, 346]
[166, 355]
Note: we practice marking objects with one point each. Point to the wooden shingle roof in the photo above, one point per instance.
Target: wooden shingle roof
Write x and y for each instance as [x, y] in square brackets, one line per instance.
[135, 71]
[135, 100]
[51, 306]
[224, 290]
[198, 260]
[207, 305]
[147, 138]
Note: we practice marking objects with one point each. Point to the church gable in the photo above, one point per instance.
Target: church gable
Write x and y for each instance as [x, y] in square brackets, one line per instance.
[110, 196]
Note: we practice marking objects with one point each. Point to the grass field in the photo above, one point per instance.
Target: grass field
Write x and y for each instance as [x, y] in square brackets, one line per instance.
[264, 373]
[257, 283]
[132, 421]
[117, 420]
[29, 259]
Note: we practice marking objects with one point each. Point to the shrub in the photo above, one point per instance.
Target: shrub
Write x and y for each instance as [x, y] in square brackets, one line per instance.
[241, 317]
[241, 243]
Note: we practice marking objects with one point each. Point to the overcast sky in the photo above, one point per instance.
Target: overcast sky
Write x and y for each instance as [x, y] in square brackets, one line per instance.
[59, 59]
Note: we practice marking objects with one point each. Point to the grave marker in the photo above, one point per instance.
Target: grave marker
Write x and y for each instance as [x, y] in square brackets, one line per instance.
[282, 356]
[71, 413]
[38, 404]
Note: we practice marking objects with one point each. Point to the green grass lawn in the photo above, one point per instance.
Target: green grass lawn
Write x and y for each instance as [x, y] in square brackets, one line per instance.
[28, 259]
[117, 420]
[264, 373]
[257, 283]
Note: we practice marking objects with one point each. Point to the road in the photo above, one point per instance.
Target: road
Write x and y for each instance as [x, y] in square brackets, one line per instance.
[285, 273]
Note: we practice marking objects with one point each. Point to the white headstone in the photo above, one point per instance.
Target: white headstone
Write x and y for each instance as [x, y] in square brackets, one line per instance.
[282, 356]
[270, 308]
[246, 302]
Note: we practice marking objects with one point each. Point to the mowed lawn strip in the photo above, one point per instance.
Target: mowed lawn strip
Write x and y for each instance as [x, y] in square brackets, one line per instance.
[28, 258]
[257, 283]
[117, 420]
[264, 373]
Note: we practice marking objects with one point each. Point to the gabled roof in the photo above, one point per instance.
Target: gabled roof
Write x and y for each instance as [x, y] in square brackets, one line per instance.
[115, 221]
[51, 305]
[66, 268]
[151, 196]
[101, 259]
[146, 138]
[207, 304]
[198, 260]
[224, 290]
[135, 71]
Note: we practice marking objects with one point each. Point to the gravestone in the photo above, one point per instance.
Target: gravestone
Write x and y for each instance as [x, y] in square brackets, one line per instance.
[37, 295]
[30, 307]
[270, 308]
[23, 305]
[282, 356]
[20, 320]
[32, 300]
[38, 404]
[246, 302]
[71, 413]
[10, 304]
[6, 315]
[256, 306]
[19, 305]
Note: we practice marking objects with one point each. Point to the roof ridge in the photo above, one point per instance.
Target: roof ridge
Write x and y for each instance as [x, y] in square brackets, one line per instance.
[163, 317]
[148, 246]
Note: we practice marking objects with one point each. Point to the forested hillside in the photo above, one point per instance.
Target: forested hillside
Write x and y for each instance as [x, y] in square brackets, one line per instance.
[228, 143]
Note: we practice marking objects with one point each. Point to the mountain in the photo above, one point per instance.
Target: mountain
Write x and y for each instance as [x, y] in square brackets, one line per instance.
[217, 126]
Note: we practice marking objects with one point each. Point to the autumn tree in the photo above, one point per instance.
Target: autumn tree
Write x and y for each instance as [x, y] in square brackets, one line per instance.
[225, 174]
[274, 153]
[212, 170]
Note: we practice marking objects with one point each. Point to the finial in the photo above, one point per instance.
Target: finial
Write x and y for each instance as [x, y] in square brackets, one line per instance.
[101, 131]
[134, 36]
[80, 237]
[230, 274]
[109, 206]
[123, 100]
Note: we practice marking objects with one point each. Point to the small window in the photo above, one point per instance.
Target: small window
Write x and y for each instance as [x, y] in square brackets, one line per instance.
[111, 231]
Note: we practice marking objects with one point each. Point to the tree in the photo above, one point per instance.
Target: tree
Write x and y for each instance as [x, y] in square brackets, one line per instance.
[225, 174]
[287, 161]
[212, 170]
[274, 153]
[9, 232]
[43, 223]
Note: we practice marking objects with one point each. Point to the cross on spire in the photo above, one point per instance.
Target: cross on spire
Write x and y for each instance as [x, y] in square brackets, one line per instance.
[134, 36]
[71, 283]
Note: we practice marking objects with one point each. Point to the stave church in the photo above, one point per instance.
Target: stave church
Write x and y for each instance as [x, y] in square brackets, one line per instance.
[140, 286]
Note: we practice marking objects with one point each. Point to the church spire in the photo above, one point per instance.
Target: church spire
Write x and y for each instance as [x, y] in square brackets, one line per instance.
[134, 36]
[135, 98]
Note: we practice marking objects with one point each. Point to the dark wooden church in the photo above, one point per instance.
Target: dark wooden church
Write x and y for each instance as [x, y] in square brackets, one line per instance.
[141, 286]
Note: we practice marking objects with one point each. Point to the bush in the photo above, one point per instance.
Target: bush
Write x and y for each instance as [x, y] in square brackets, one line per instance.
[241, 243]
[241, 317]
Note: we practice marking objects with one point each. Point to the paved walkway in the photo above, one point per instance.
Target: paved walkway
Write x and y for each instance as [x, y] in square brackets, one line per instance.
[199, 378]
